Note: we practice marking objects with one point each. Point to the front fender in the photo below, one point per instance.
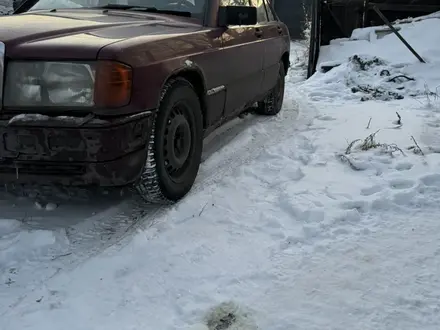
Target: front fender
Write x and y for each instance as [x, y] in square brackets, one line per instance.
[156, 60]
[187, 68]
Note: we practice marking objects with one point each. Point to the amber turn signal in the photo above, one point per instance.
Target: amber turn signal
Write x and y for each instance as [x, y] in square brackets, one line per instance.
[113, 83]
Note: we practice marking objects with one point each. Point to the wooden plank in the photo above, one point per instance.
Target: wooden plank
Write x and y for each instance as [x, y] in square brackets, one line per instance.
[387, 22]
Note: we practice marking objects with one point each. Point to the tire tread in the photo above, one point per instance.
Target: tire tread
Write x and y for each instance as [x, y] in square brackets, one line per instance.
[149, 184]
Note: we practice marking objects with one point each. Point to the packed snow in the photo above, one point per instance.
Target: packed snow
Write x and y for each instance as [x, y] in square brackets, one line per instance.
[324, 217]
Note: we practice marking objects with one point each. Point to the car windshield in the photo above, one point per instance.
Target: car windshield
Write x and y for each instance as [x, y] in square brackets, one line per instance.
[194, 7]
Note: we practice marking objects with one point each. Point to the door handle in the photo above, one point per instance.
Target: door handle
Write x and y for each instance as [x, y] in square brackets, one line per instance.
[258, 33]
[280, 30]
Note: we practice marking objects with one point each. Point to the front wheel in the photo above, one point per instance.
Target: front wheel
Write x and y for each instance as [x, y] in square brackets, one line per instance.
[273, 102]
[175, 148]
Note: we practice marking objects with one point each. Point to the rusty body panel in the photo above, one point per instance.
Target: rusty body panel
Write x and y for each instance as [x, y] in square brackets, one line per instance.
[107, 146]
[66, 152]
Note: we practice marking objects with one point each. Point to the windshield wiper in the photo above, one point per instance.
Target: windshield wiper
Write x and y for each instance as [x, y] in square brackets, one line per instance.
[115, 6]
[145, 9]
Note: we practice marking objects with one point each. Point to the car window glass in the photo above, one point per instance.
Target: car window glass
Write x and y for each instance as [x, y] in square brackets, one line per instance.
[195, 7]
[234, 3]
[261, 10]
[269, 10]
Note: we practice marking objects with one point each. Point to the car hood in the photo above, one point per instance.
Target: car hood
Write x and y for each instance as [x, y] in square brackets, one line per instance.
[81, 33]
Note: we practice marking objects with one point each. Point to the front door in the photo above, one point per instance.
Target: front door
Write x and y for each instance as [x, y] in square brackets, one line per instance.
[242, 62]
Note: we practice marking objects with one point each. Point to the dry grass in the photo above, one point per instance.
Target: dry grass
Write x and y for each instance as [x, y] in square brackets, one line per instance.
[431, 98]
[370, 142]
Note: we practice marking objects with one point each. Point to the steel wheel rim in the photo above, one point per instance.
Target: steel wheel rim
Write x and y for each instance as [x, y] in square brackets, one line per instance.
[177, 142]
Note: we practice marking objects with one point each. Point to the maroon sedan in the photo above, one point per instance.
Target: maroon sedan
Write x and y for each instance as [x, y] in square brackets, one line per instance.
[107, 94]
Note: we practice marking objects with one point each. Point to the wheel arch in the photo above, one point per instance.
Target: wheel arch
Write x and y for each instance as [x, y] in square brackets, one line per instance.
[286, 61]
[195, 77]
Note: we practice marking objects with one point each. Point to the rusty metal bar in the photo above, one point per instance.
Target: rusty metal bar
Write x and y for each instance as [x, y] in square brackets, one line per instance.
[387, 22]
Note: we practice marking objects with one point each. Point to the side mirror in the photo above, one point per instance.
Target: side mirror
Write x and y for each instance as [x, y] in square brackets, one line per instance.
[237, 15]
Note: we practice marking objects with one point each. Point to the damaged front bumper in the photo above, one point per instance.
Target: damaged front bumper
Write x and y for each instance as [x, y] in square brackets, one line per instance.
[73, 151]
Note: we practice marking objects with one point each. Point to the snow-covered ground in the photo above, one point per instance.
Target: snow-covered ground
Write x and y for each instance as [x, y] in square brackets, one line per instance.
[289, 226]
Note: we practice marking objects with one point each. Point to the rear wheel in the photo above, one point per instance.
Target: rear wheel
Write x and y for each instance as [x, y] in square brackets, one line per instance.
[273, 102]
[175, 146]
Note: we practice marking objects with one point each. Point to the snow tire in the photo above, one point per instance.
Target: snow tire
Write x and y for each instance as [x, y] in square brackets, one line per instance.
[158, 184]
[273, 102]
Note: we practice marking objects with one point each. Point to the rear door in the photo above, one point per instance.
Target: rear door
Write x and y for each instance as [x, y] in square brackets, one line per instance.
[272, 35]
[242, 62]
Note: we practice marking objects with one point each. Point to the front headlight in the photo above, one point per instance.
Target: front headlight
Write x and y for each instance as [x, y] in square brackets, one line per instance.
[46, 84]
[61, 84]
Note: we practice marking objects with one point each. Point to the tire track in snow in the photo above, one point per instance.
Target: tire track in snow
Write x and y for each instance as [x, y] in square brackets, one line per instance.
[91, 237]
[223, 157]
[134, 214]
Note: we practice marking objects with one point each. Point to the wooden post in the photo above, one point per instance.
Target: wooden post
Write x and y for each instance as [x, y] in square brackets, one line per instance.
[387, 22]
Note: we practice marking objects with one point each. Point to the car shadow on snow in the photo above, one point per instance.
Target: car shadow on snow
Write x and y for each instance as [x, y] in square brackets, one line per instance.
[53, 208]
